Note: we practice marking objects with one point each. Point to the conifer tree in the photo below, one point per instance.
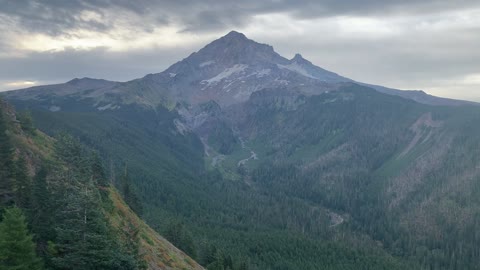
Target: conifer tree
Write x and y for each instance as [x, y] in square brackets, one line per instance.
[83, 240]
[22, 183]
[26, 122]
[130, 196]
[218, 263]
[82, 236]
[181, 237]
[70, 151]
[98, 172]
[6, 164]
[42, 212]
[17, 250]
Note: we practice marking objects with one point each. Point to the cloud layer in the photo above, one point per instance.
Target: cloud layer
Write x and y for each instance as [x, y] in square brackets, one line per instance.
[430, 45]
[55, 17]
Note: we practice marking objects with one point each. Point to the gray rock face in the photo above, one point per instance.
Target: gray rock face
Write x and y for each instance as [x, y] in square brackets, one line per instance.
[230, 69]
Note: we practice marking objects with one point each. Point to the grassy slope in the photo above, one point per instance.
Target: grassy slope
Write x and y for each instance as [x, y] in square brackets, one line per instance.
[156, 250]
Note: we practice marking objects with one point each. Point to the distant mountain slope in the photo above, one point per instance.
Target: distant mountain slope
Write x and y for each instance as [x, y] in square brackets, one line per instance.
[76, 87]
[420, 96]
[228, 71]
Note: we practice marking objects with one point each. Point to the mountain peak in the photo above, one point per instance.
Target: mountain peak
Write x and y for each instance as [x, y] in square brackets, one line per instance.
[84, 79]
[297, 57]
[86, 82]
[234, 38]
[229, 50]
[235, 35]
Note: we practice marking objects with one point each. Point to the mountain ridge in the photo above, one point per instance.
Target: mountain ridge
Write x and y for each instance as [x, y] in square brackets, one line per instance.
[227, 70]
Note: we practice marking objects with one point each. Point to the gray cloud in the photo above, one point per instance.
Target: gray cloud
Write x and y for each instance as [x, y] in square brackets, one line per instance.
[55, 16]
[62, 66]
[434, 62]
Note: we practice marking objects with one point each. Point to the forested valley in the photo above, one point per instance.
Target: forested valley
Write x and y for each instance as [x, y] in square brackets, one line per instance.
[276, 213]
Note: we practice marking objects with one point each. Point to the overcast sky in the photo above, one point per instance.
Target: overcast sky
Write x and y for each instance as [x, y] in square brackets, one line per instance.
[410, 44]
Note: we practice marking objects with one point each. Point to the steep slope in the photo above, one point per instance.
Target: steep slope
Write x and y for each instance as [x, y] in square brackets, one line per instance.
[39, 152]
[156, 250]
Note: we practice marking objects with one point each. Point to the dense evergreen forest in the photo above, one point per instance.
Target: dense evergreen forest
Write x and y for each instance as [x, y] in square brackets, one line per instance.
[288, 210]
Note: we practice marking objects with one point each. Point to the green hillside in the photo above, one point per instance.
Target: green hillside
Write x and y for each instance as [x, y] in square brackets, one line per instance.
[75, 218]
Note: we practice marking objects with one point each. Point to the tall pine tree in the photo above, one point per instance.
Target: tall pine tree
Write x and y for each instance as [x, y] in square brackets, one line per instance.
[26, 122]
[180, 236]
[42, 211]
[17, 250]
[22, 183]
[7, 167]
[83, 240]
[82, 234]
[130, 196]
[98, 172]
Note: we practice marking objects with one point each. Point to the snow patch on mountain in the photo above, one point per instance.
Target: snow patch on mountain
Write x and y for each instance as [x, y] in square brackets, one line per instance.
[263, 72]
[108, 107]
[295, 67]
[207, 63]
[180, 127]
[54, 108]
[243, 94]
[238, 68]
[281, 81]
